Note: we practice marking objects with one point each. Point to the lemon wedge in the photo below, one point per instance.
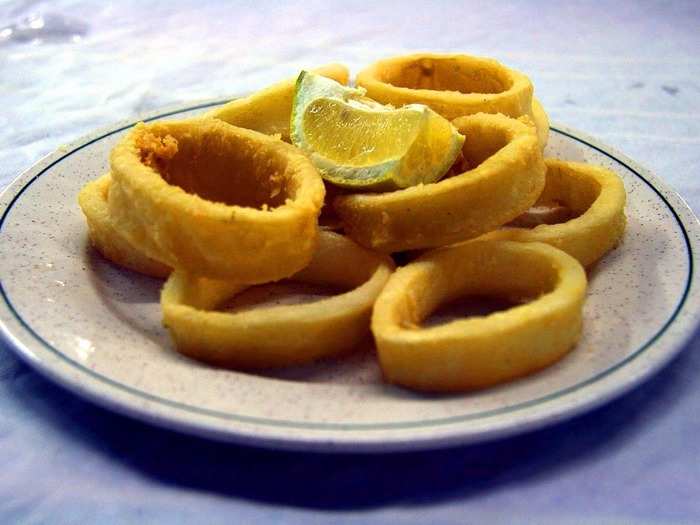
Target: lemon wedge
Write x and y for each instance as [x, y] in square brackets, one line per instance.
[360, 144]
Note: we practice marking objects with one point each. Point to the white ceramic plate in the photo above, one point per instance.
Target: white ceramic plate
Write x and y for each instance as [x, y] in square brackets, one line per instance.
[95, 328]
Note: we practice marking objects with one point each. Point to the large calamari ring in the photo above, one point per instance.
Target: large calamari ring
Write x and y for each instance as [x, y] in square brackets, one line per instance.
[594, 195]
[278, 335]
[504, 176]
[479, 351]
[454, 85]
[106, 237]
[216, 200]
[269, 110]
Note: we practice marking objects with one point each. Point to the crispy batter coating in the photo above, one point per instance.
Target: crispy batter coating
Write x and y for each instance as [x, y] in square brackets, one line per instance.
[503, 176]
[216, 200]
[269, 110]
[454, 85]
[278, 335]
[107, 237]
[478, 352]
[594, 195]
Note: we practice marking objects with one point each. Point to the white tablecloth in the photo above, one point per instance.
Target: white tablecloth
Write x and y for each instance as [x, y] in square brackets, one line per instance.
[626, 72]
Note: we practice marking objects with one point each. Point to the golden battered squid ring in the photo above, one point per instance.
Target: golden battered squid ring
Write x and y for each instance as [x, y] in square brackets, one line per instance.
[595, 196]
[454, 85]
[504, 176]
[541, 121]
[106, 238]
[479, 351]
[269, 110]
[216, 200]
[278, 335]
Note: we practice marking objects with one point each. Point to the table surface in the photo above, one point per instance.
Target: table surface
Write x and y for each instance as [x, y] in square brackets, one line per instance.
[626, 72]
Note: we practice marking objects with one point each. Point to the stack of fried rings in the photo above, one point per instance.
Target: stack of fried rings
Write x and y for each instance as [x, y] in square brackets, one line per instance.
[172, 200]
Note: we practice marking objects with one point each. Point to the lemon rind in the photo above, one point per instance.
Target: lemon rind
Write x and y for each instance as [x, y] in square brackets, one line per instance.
[269, 109]
[382, 176]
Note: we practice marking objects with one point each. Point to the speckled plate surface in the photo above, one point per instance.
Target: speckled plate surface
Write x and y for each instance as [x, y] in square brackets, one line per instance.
[96, 329]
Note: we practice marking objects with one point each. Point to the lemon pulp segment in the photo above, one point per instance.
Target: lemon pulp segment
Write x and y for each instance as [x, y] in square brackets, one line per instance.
[358, 136]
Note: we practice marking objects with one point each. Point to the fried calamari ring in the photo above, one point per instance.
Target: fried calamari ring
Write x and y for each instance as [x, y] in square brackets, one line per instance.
[594, 195]
[454, 85]
[216, 200]
[480, 351]
[541, 120]
[278, 335]
[106, 237]
[269, 110]
[504, 176]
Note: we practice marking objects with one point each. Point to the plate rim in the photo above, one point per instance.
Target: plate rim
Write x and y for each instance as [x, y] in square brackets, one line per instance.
[198, 420]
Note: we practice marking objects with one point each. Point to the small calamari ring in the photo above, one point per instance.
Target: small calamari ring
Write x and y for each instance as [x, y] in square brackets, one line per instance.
[106, 238]
[269, 110]
[454, 85]
[503, 177]
[278, 335]
[480, 351]
[594, 195]
[216, 200]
